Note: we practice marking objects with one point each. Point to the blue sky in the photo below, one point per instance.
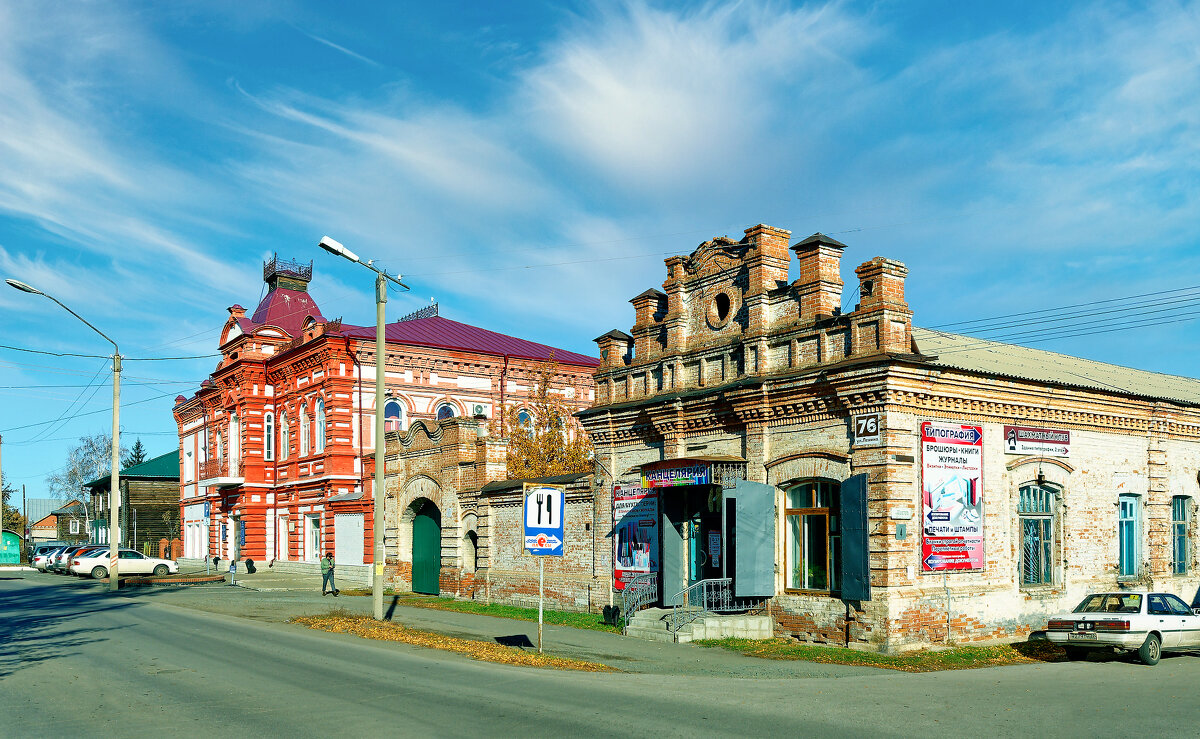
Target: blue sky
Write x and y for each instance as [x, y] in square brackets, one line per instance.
[529, 165]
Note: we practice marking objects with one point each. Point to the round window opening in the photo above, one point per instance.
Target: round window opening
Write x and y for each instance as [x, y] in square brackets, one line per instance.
[721, 305]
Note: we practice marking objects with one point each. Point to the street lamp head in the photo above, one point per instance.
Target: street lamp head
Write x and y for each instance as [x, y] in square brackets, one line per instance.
[24, 288]
[335, 247]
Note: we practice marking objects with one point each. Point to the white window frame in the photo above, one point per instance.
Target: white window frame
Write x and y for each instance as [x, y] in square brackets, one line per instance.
[269, 437]
[304, 430]
[320, 422]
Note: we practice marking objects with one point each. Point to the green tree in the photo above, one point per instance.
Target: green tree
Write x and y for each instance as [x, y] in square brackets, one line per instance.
[10, 518]
[136, 455]
[86, 461]
[546, 440]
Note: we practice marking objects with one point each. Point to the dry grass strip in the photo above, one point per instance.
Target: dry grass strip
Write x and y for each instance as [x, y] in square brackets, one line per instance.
[368, 628]
[928, 660]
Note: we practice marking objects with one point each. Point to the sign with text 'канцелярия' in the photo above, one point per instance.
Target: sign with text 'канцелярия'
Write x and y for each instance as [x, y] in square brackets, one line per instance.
[635, 533]
[951, 497]
[676, 473]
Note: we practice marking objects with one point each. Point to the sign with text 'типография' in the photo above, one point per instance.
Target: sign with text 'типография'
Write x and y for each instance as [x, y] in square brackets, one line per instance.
[951, 497]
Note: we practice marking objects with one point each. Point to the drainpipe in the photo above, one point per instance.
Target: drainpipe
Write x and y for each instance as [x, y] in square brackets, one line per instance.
[503, 388]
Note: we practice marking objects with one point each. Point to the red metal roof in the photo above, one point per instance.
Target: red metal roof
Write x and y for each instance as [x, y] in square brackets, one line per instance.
[286, 309]
[443, 333]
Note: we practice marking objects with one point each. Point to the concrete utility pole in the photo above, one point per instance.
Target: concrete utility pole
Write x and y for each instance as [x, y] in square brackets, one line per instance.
[379, 552]
[114, 491]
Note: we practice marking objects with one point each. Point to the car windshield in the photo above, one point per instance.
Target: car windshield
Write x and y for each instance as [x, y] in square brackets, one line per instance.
[1111, 603]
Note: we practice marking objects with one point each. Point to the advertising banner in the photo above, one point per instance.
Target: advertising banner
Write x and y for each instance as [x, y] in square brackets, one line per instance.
[952, 497]
[691, 473]
[635, 532]
[1032, 440]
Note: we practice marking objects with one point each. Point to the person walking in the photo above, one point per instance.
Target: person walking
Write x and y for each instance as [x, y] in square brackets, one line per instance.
[327, 585]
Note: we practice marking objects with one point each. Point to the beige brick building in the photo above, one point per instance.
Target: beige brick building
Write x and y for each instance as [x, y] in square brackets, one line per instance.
[1001, 483]
[454, 523]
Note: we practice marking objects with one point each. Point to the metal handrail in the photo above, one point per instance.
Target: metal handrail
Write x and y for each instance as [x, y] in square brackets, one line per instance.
[698, 600]
[640, 592]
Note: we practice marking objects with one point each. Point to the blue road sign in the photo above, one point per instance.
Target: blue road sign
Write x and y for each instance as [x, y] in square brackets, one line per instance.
[544, 506]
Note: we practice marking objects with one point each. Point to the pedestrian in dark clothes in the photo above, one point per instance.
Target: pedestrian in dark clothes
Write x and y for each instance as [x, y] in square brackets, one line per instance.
[327, 585]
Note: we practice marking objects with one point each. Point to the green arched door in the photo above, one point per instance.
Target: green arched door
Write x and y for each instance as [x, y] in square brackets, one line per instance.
[427, 549]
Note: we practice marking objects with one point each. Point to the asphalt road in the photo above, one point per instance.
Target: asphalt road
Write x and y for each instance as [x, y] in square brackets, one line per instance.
[75, 661]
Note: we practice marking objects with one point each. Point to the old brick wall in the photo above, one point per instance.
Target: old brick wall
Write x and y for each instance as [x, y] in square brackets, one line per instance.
[779, 376]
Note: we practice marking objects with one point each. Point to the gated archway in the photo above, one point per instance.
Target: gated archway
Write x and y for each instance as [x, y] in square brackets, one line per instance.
[427, 548]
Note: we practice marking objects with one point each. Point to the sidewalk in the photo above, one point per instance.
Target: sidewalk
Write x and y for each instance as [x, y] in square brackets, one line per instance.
[279, 597]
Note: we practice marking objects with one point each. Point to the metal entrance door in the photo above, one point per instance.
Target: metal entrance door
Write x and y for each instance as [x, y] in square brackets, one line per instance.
[427, 550]
[704, 547]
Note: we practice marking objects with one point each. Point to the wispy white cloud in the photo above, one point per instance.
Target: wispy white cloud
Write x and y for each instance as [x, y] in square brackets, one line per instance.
[342, 49]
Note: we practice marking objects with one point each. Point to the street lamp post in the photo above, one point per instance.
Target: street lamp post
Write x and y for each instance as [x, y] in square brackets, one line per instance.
[114, 491]
[381, 280]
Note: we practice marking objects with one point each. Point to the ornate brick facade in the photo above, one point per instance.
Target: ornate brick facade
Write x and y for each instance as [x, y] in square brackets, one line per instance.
[732, 359]
[277, 444]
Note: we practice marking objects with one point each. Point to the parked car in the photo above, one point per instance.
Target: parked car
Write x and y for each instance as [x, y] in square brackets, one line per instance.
[41, 560]
[95, 564]
[43, 548]
[61, 562]
[1148, 623]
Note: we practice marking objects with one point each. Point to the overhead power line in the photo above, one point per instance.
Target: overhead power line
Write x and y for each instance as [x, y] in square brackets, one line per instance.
[104, 356]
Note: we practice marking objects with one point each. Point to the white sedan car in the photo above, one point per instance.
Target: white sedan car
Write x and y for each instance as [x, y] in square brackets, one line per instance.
[1147, 623]
[131, 563]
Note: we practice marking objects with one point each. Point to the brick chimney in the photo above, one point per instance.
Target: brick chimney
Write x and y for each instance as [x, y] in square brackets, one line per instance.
[768, 257]
[615, 349]
[882, 321]
[820, 282]
[649, 310]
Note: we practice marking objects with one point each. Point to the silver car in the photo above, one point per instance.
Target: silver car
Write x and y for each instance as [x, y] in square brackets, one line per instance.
[1148, 623]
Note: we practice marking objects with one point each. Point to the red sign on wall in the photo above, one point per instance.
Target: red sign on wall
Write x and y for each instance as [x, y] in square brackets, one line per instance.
[952, 497]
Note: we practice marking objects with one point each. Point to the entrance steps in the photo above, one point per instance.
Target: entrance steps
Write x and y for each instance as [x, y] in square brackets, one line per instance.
[651, 624]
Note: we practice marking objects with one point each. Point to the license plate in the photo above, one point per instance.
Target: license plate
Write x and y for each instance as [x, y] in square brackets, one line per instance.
[1085, 635]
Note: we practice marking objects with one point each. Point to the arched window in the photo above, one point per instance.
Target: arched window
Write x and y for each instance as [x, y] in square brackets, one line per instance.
[285, 437]
[269, 437]
[220, 448]
[1035, 510]
[320, 424]
[304, 431]
[444, 411]
[393, 415]
[813, 550]
[524, 419]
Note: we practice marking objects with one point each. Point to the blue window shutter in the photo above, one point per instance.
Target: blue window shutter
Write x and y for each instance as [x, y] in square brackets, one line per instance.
[754, 534]
[856, 549]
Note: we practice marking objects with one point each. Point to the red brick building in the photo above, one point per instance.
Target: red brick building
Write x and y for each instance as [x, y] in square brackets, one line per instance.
[276, 446]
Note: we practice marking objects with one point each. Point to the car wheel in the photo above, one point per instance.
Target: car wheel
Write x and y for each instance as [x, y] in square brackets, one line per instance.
[1076, 654]
[1151, 650]
[161, 571]
[99, 572]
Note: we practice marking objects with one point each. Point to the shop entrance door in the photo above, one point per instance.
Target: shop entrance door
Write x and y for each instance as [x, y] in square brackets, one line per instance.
[704, 547]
